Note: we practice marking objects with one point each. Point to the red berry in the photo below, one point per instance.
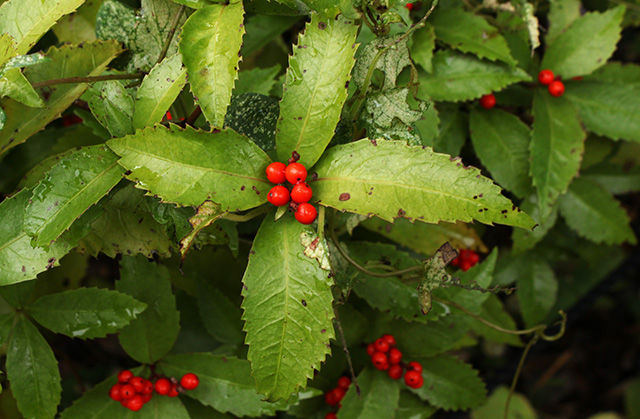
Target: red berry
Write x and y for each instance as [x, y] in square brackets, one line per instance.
[371, 349]
[415, 366]
[148, 388]
[338, 394]
[330, 415]
[380, 361]
[135, 403]
[456, 261]
[545, 77]
[301, 193]
[114, 393]
[413, 379]
[409, 6]
[488, 101]
[577, 78]
[381, 345]
[344, 382]
[465, 265]
[189, 381]
[556, 88]
[295, 172]
[146, 398]
[275, 172]
[127, 391]
[163, 386]
[278, 196]
[389, 339]
[306, 213]
[395, 371]
[125, 376]
[173, 392]
[395, 356]
[137, 383]
[330, 398]
[473, 257]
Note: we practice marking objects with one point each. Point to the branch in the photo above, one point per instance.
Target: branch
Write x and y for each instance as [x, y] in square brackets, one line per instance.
[172, 31]
[92, 79]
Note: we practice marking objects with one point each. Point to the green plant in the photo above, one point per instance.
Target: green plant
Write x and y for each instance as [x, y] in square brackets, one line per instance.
[165, 188]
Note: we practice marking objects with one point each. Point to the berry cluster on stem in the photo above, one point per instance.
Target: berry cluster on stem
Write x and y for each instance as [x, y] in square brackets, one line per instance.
[386, 357]
[553, 83]
[298, 195]
[133, 391]
[466, 260]
[334, 396]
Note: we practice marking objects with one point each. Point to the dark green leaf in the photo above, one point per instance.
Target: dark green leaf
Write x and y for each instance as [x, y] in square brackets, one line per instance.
[424, 340]
[152, 334]
[210, 47]
[85, 313]
[501, 141]
[429, 126]
[6, 324]
[557, 144]
[188, 167]
[33, 371]
[424, 42]
[379, 396]
[315, 88]
[450, 384]
[219, 315]
[255, 116]
[256, 80]
[585, 45]
[527, 239]
[562, 13]
[493, 311]
[287, 309]
[453, 130]
[262, 29]
[537, 288]
[19, 294]
[595, 214]
[614, 178]
[113, 108]
[390, 179]
[225, 383]
[411, 407]
[519, 407]
[615, 72]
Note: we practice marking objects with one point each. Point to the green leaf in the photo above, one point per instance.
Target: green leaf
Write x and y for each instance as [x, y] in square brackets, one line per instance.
[6, 324]
[537, 288]
[585, 45]
[152, 334]
[453, 129]
[470, 33]
[210, 45]
[262, 29]
[68, 190]
[115, 21]
[557, 143]
[429, 126]
[387, 105]
[424, 340]
[287, 309]
[158, 91]
[207, 214]
[255, 116]
[16, 86]
[256, 80]
[378, 398]
[527, 239]
[614, 72]
[85, 313]
[219, 315]
[411, 407]
[458, 77]
[501, 141]
[519, 407]
[450, 384]
[594, 214]
[33, 371]
[79, 26]
[424, 42]
[608, 109]
[90, 59]
[632, 398]
[391, 63]
[122, 224]
[614, 178]
[494, 312]
[225, 383]
[113, 108]
[562, 13]
[315, 88]
[27, 20]
[188, 167]
[19, 261]
[392, 180]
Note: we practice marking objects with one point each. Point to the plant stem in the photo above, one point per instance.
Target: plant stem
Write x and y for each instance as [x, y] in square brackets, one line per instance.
[91, 79]
[346, 351]
[194, 116]
[249, 215]
[533, 340]
[172, 31]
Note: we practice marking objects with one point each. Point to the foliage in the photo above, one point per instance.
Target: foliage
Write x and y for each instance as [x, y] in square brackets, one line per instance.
[159, 193]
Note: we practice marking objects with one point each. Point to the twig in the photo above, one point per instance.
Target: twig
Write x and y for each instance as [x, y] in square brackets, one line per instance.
[172, 31]
[346, 351]
[249, 215]
[194, 116]
[91, 79]
[533, 340]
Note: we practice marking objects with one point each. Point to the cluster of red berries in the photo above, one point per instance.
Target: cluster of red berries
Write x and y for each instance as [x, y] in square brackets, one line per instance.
[133, 391]
[386, 357]
[554, 84]
[466, 260]
[298, 197]
[334, 396]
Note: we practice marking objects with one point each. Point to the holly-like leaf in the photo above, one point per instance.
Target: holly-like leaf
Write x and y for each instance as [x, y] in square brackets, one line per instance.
[470, 33]
[427, 238]
[608, 109]
[392, 180]
[315, 88]
[85, 313]
[387, 105]
[90, 59]
[219, 315]
[19, 261]
[14, 84]
[27, 20]
[562, 13]
[450, 384]
[458, 77]
[210, 48]
[501, 142]
[391, 63]
[33, 371]
[256, 80]
[615, 72]
[527, 239]
[287, 309]
[433, 338]
[68, 190]
[557, 143]
[255, 116]
[188, 167]
[225, 383]
[537, 288]
[595, 214]
[424, 42]
[152, 334]
[411, 407]
[586, 45]
[112, 106]
[378, 398]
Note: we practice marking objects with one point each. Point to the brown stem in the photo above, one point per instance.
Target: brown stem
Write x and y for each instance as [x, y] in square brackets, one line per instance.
[91, 79]
[194, 116]
[346, 351]
[172, 31]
